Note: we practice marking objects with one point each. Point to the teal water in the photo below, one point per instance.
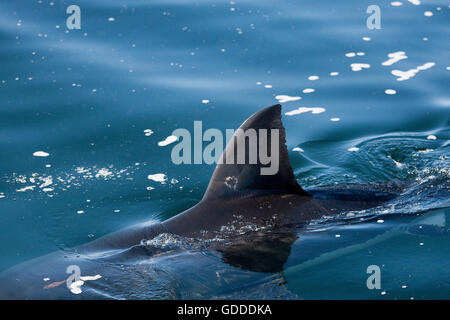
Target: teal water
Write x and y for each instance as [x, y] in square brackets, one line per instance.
[87, 96]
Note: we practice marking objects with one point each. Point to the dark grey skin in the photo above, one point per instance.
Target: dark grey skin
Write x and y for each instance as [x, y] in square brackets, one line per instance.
[256, 214]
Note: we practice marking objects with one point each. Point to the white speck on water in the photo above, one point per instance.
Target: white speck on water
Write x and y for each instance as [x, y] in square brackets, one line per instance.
[380, 221]
[285, 98]
[308, 90]
[167, 141]
[353, 149]
[425, 38]
[205, 101]
[397, 164]
[298, 149]
[359, 66]
[415, 2]
[333, 74]
[428, 13]
[258, 83]
[148, 132]
[431, 137]
[111, 19]
[390, 91]
[46, 182]
[404, 287]
[396, 3]
[46, 279]
[26, 189]
[117, 211]
[335, 119]
[312, 78]
[150, 188]
[405, 75]
[350, 54]
[158, 177]
[337, 235]
[41, 154]
[314, 110]
[80, 211]
[421, 244]
[383, 293]
[268, 86]
[103, 173]
[366, 38]
[360, 54]
[394, 57]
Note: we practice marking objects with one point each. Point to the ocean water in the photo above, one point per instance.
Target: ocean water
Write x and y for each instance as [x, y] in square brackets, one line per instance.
[82, 112]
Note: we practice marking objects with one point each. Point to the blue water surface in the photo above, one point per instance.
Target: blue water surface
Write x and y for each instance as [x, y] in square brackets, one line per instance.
[86, 100]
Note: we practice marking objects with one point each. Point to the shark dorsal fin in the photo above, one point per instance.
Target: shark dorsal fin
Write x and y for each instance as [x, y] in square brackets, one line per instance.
[235, 178]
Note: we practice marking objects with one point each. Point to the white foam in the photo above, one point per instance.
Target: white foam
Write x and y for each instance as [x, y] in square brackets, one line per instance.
[285, 98]
[104, 173]
[158, 177]
[431, 137]
[314, 110]
[268, 86]
[350, 54]
[333, 74]
[205, 101]
[415, 2]
[46, 182]
[394, 57]
[148, 132]
[405, 75]
[390, 91]
[167, 141]
[359, 66]
[428, 14]
[298, 149]
[396, 3]
[353, 149]
[366, 38]
[312, 78]
[26, 189]
[308, 90]
[335, 119]
[41, 154]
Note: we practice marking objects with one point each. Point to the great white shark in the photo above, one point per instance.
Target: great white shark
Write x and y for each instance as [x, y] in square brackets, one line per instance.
[256, 214]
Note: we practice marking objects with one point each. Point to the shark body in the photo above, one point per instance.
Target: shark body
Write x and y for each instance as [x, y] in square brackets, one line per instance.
[257, 213]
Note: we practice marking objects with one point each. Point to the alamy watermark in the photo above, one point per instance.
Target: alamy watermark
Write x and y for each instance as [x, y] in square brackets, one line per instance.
[248, 146]
[74, 20]
[374, 280]
[75, 281]
[374, 20]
